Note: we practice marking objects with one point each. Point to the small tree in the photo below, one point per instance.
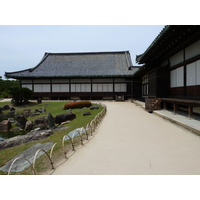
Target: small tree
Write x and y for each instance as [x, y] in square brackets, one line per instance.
[21, 96]
[6, 86]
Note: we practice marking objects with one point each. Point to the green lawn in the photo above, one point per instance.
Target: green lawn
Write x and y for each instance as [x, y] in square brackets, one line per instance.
[54, 108]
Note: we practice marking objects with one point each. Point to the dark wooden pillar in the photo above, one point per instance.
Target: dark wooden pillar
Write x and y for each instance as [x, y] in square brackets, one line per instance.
[190, 111]
[175, 108]
[164, 105]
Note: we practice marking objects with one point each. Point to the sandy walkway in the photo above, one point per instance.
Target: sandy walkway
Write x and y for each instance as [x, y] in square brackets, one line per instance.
[132, 141]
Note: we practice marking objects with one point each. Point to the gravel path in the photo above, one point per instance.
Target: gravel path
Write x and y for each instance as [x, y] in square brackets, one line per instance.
[131, 141]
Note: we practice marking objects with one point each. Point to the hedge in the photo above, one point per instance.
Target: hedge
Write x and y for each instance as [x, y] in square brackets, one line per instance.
[77, 104]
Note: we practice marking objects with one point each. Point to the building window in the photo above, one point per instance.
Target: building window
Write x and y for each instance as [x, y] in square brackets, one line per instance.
[80, 87]
[60, 87]
[120, 87]
[42, 88]
[145, 85]
[193, 73]
[105, 87]
[177, 78]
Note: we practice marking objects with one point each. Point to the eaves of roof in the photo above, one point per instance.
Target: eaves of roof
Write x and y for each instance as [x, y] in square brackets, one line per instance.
[170, 40]
[141, 57]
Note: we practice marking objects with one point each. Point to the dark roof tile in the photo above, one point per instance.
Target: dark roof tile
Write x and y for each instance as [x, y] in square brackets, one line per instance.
[94, 64]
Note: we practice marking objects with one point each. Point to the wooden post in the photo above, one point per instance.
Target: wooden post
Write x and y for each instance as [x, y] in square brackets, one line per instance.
[175, 108]
[164, 105]
[190, 111]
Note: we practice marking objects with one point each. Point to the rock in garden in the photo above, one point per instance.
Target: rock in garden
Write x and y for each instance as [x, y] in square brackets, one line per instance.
[6, 107]
[21, 120]
[41, 122]
[5, 126]
[29, 125]
[64, 117]
[51, 122]
[86, 113]
[20, 139]
[12, 109]
[94, 107]
[67, 122]
[37, 135]
[11, 113]
[41, 110]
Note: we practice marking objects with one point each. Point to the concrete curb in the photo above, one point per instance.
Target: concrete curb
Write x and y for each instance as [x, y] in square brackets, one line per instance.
[191, 129]
[179, 123]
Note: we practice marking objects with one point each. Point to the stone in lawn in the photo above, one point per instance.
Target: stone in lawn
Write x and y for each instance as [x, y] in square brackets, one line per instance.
[5, 126]
[94, 107]
[21, 120]
[51, 122]
[20, 139]
[86, 113]
[64, 117]
[29, 125]
[6, 107]
[41, 122]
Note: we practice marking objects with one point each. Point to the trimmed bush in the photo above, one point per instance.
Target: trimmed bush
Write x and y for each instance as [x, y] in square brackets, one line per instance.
[21, 96]
[77, 104]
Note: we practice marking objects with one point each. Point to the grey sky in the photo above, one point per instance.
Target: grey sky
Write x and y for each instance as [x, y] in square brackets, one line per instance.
[23, 46]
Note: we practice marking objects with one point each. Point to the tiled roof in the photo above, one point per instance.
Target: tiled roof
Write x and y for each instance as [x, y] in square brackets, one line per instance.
[93, 64]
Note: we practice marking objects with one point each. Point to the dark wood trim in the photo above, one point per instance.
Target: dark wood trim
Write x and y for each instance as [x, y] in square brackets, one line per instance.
[69, 86]
[177, 92]
[113, 85]
[186, 62]
[51, 86]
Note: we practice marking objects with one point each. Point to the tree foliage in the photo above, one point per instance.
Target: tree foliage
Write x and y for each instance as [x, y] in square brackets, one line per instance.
[6, 86]
[21, 96]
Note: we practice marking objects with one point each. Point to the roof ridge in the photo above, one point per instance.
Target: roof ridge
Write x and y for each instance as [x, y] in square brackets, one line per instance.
[74, 53]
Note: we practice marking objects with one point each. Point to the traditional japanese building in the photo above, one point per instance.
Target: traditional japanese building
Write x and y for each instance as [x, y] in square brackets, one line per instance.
[171, 67]
[96, 75]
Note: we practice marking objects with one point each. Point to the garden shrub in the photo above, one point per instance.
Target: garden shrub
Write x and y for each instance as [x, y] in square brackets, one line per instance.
[77, 104]
[21, 96]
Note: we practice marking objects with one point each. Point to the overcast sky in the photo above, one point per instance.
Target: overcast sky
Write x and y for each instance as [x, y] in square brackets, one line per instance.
[23, 46]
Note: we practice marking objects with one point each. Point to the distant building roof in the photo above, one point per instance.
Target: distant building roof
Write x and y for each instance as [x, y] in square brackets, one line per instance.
[93, 64]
